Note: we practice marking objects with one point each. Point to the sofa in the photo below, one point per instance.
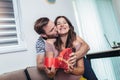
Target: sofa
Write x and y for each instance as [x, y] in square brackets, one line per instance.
[31, 74]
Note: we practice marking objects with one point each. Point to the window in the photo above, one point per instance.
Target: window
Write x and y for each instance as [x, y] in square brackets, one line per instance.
[10, 27]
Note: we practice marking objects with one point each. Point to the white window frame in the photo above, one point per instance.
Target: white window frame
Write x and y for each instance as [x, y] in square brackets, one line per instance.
[21, 42]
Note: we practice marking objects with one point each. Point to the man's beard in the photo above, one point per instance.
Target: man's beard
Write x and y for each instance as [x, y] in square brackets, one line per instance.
[52, 36]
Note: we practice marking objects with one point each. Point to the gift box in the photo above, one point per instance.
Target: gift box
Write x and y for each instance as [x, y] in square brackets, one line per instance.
[49, 62]
[59, 62]
[64, 56]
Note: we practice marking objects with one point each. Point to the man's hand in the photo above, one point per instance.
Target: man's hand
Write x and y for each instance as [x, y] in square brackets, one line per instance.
[41, 66]
[72, 60]
[70, 69]
[50, 71]
[40, 61]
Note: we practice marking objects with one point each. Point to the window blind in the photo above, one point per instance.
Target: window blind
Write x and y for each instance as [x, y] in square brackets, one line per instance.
[8, 32]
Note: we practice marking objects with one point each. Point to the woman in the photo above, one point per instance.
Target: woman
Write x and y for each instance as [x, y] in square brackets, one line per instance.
[67, 39]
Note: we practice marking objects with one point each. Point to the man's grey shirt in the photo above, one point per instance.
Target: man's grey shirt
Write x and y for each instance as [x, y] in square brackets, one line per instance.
[40, 46]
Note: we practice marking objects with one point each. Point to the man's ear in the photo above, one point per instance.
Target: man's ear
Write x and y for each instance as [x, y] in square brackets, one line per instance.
[44, 35]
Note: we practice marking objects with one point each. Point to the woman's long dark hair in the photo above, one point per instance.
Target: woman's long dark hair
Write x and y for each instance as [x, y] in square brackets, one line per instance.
[71, 36]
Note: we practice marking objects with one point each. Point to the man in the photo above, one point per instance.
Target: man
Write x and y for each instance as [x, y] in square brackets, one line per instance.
[47, 30]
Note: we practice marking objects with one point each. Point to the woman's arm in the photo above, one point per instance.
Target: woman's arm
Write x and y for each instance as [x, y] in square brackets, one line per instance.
[79, 69]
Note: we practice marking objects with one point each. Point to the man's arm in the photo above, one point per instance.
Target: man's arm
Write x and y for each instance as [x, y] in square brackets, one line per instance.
[40, 50]
[39, 61]
[80, 53]
[84, 48]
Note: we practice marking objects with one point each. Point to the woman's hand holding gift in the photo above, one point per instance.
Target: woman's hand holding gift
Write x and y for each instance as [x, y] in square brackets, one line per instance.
[62, 61]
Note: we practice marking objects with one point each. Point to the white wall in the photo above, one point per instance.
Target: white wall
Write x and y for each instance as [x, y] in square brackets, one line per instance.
[116, 4]
[30, 11]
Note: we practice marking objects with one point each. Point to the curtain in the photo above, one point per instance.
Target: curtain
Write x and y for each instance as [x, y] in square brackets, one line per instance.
[91, 22]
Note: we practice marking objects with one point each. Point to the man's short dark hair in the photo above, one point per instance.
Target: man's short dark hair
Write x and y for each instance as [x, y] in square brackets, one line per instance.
[40, 23]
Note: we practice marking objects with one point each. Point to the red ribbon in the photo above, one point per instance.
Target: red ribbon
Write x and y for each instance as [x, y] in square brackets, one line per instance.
[60, 61]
